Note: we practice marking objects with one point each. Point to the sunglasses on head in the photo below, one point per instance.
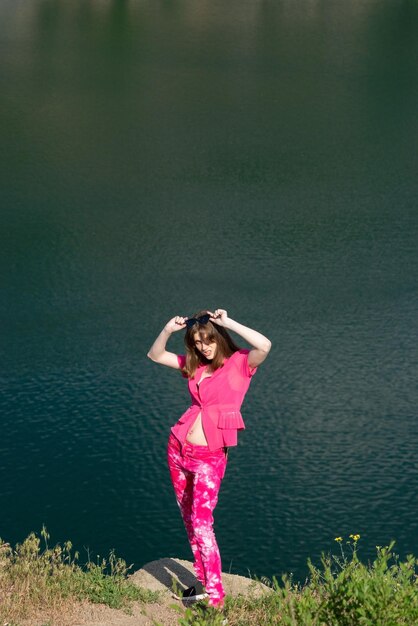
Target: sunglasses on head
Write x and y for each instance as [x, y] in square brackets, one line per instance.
[203, 319]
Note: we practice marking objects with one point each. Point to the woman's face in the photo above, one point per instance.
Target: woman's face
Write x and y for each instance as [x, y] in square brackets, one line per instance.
[204, 346]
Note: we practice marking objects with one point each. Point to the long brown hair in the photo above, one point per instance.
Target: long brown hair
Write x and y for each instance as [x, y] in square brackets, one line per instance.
[225, 346]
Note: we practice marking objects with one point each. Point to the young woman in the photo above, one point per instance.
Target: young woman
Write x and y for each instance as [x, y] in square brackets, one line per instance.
[219, 374]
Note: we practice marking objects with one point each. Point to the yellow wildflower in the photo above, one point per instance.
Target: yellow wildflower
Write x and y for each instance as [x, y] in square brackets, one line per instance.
[339, 539]
[355, 537]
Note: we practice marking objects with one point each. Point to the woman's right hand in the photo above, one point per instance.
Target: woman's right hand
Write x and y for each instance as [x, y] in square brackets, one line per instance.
[175, 324]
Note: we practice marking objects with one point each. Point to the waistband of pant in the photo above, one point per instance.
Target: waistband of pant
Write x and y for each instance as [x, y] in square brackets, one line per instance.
[186, 446]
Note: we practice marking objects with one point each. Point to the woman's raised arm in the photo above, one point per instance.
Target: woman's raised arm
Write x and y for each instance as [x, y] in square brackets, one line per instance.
[261, 345]
[157, 352]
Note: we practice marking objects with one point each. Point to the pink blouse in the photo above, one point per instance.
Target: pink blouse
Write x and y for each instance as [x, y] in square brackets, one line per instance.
[219, 398]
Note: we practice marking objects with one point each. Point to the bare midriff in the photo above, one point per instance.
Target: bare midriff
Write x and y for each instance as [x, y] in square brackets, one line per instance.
[196, 433]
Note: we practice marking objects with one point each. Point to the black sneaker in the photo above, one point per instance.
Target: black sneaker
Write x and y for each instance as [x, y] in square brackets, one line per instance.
[190, 595]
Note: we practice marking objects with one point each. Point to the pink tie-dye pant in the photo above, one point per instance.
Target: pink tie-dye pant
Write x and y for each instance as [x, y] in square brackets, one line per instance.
[196, 473]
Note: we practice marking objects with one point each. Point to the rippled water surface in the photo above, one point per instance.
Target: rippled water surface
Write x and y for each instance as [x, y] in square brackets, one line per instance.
[160, 157]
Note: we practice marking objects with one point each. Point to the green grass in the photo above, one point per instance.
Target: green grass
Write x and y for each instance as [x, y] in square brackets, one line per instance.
[342, 591]
[35, 577]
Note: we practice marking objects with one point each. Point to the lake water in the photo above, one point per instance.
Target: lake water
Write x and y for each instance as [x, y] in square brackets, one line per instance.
[159, 157]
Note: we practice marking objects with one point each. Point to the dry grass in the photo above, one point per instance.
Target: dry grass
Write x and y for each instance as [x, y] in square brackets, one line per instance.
[46, 587]
[35, 580]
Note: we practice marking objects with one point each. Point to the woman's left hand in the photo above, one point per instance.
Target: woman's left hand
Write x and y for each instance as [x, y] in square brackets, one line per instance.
[220, 317]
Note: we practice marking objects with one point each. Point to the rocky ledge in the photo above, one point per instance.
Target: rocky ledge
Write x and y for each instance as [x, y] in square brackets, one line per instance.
[159, 576]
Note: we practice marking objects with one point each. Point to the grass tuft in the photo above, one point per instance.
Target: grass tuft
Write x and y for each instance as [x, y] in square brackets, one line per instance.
[35, 577]
[36, 580]
[342, 591]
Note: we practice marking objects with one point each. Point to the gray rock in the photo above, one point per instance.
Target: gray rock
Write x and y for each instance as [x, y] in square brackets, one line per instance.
[159, 576]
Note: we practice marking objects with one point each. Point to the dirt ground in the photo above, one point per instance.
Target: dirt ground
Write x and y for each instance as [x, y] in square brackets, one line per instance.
[154, 576]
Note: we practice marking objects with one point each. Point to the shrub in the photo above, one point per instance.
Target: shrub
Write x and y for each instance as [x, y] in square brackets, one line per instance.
[33, 577]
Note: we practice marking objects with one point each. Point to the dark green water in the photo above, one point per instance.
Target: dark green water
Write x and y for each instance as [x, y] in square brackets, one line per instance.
[161, 157]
